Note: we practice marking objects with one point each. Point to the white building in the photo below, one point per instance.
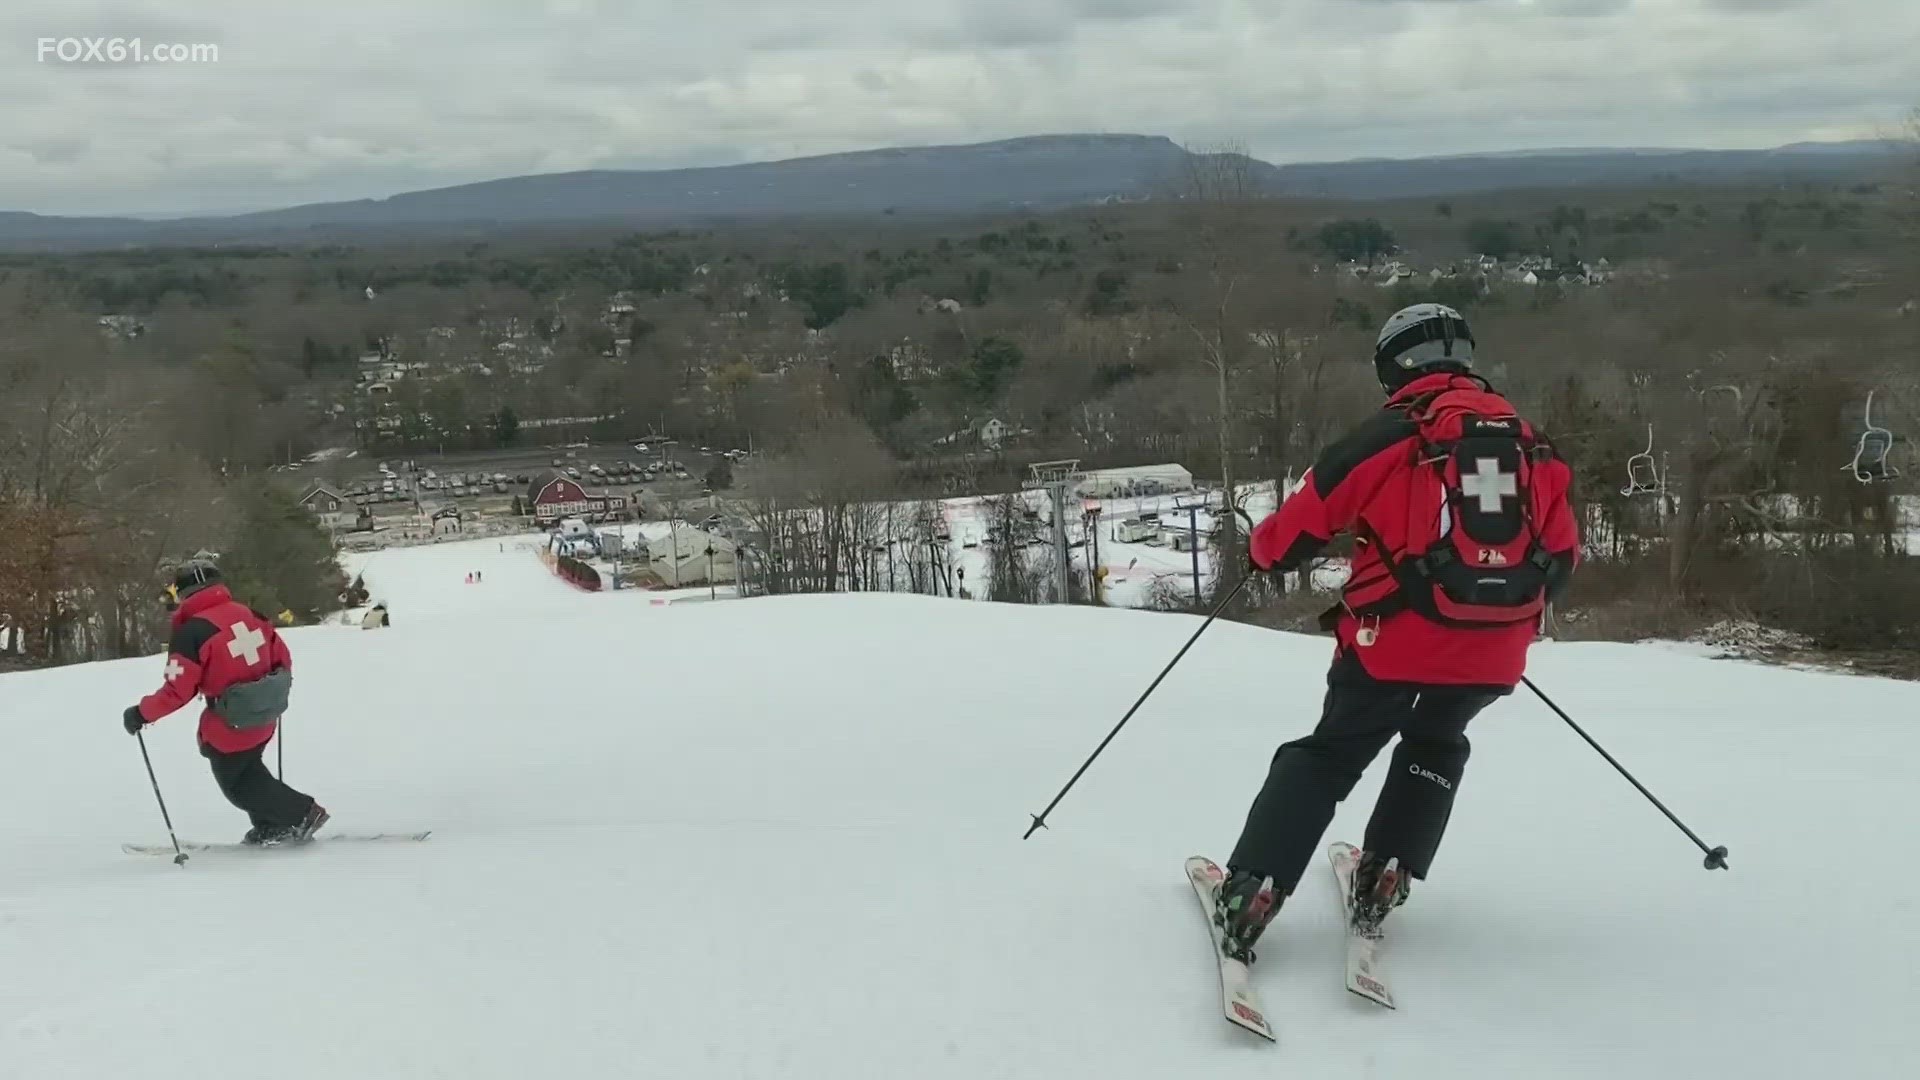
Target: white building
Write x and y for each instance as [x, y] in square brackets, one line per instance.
[676, 553]
[1135, 480]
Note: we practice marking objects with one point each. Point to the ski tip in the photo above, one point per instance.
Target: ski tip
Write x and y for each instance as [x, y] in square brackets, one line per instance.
[1246, 1017]
[1201, 869]
[1366, 986]
[1382, 998]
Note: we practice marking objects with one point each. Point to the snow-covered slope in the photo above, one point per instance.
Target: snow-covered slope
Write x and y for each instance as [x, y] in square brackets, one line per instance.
[781, 838]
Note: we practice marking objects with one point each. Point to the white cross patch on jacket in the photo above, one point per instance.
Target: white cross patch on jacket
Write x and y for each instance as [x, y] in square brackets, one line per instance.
[248, 642]
[174, 670]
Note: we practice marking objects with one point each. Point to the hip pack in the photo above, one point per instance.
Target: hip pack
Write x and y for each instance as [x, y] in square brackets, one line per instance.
[254, 703]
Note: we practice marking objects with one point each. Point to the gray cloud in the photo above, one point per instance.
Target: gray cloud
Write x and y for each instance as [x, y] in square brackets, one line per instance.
[359, 98]
[55, 149]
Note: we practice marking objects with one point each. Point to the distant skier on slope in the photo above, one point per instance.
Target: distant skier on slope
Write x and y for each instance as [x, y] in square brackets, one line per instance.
[1463, 533]
[233, 655]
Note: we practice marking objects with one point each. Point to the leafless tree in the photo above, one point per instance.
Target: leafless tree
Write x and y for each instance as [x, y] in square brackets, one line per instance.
[1219, 193]
[812, 505]
[1015, 574]
[1219, 173]
[86, 488]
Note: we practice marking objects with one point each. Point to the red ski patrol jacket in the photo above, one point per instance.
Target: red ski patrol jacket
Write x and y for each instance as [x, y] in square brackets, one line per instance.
[217, 642]
[1430, 599]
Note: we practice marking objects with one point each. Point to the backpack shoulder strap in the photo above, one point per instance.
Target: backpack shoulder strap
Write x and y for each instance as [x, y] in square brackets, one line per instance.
[1416, 407]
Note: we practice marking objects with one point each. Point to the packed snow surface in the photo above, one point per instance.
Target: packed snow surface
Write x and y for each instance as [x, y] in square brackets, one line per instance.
[781, 838]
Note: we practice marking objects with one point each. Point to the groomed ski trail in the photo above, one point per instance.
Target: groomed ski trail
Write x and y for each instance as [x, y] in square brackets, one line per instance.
[781, 837]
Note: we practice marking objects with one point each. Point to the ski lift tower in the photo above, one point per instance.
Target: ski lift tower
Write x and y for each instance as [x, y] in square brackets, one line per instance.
[1190, 504]
[1056, 478]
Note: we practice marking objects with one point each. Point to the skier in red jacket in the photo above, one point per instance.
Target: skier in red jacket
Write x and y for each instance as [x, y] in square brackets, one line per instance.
[232, 655]
[1463, 534]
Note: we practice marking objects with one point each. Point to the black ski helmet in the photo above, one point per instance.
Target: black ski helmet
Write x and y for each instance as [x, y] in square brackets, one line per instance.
[192, 576]
[1420, 340]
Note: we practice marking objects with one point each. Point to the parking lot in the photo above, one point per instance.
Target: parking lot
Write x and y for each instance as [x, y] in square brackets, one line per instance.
[488, 480]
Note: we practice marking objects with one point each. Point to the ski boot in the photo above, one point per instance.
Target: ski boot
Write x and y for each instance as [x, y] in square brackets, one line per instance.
[1379, 886]
[1242, 909]
[275, 836]
[304, 831]
[256, 834]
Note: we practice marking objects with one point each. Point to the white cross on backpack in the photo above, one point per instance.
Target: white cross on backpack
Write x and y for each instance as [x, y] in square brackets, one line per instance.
[1489, 484]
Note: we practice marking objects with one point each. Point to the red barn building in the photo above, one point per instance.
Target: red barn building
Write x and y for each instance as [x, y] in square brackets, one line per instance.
[552, 496]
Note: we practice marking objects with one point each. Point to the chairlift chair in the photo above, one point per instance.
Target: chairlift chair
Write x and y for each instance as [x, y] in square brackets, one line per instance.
[1643, 476]
[1870, 464]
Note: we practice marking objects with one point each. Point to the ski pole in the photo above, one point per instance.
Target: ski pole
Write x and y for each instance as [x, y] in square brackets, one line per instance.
[1040, 819]
[179, 857]
[1716, 856]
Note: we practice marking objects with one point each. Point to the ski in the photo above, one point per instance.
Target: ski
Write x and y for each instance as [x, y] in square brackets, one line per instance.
[1364, 976]
[207, 846]
[1237, 1000]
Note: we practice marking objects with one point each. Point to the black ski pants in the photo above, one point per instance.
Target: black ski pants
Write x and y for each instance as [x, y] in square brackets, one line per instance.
[248, 784]
[1311, 775]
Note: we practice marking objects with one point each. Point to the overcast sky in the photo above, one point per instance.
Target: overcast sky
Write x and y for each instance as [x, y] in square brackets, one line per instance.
[356, 98]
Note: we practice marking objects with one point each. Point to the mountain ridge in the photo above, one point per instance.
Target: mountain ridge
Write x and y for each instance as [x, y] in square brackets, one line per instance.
[1035, 172]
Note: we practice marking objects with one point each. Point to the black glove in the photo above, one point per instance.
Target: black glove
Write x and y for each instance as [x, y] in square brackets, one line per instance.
[132, 720]
[1252, 567]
